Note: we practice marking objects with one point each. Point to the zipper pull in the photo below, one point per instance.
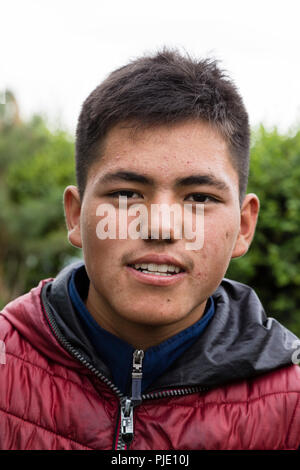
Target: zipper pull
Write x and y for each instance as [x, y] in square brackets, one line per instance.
[128, 403]
[127, 420]
[137, 375]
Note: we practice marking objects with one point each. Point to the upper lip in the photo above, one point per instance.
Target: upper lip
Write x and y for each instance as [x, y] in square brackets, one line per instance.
[158, 259]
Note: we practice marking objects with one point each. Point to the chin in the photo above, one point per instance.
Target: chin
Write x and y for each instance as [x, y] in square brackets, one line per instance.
[157, 318]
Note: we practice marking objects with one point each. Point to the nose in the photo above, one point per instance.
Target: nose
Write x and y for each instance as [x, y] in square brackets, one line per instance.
[164, 221]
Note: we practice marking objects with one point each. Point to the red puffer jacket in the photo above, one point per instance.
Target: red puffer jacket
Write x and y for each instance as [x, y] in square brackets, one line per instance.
[229, 391]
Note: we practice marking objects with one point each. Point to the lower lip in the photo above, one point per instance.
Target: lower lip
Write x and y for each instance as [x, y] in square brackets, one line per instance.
[156, 279]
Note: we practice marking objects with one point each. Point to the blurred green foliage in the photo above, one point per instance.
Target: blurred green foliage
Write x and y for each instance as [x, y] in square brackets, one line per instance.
[272, 264]
[36, 164]
[35, 167]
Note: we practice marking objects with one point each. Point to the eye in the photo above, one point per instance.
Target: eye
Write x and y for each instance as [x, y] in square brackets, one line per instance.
[202, 198]
[125, 193]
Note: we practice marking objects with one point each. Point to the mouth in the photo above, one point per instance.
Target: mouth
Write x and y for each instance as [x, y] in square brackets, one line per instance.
[158, 274]
[157, 269]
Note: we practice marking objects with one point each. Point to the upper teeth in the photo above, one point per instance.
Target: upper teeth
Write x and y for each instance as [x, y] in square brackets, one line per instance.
[162, 268]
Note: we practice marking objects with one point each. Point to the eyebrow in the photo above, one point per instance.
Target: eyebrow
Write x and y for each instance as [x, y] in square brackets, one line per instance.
[132, 176]
[202, 180]
[192, 180]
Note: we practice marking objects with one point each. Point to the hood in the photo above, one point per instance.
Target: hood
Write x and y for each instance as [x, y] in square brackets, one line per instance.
[239, 342]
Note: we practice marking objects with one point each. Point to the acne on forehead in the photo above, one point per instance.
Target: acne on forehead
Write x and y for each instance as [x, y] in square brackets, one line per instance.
[168, 144]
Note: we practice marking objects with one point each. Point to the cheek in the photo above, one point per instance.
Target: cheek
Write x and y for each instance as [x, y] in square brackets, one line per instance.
[220, 232]
[219, 246]
[90, 241]
[212, 260]
[97, 252]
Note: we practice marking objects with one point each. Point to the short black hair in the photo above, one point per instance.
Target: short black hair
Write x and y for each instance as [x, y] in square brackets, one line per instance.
[164, 88]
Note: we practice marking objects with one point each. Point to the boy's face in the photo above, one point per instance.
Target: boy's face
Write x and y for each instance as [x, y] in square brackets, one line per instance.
[163, 155]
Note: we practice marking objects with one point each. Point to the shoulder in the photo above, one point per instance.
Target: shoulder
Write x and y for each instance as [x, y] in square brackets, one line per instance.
[18, 329]
[282, 384]
[26, 336]
[21, 319]
[278, 394]
[261, 412]
[29, 344]
[285, 379]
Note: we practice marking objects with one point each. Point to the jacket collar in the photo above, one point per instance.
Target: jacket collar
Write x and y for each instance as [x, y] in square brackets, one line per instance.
[239, 342]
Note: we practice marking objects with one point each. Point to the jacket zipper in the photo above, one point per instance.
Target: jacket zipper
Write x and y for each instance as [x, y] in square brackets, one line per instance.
[126, 431]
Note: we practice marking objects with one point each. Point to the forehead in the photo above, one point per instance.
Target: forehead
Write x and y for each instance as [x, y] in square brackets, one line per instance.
[166, 152]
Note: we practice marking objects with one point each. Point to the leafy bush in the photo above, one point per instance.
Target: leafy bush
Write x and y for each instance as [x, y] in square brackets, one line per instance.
[272, 265]
[35, 167]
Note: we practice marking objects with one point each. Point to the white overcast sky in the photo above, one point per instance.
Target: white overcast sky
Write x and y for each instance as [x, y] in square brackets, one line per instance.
[54, 52]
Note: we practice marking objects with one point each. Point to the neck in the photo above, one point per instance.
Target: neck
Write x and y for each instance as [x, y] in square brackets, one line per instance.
[139, 335]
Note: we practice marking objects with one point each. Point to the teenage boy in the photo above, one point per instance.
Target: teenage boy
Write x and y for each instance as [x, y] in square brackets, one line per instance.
[145, 345]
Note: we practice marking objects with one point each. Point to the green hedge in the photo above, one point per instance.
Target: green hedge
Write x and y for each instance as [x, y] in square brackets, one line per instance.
[35, 167]
[272, 265]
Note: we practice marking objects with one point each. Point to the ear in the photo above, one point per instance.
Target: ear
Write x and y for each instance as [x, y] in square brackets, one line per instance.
[249, 215]
[72, 206]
